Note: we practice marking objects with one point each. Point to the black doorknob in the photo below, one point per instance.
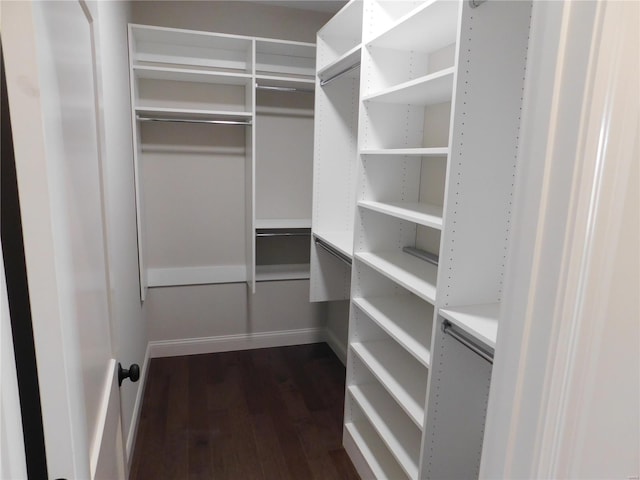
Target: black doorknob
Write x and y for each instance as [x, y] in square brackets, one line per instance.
[132, 373]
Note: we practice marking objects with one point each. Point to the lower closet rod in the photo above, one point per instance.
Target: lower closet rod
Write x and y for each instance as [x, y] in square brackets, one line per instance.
[283, 234]
[450, 329]
[283, 89]
[332, 251]
[194, 120]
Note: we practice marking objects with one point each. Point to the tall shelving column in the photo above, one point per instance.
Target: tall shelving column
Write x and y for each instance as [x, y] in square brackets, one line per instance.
[408, 67]
[335, 150]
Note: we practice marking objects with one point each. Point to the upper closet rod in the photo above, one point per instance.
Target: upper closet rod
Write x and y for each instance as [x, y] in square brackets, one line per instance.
[283, 89]
[329, 249]
[450, 329]
[193, 120]
[326, 81]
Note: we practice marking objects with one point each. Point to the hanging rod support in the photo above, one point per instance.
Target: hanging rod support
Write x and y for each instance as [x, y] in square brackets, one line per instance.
[339, 74]
[476, 3]
[332, 251]
[283, 89]
[193, 120]
[449, 329]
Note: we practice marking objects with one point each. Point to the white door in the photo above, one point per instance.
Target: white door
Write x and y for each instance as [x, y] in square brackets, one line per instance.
[51, 69]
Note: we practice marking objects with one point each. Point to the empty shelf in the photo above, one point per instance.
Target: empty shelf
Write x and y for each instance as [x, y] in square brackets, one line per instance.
[406, 318]
[283, 223]
[374, 451]
[266, 273]
[427, 90]
[193, 114]
[402, 376]
[415, 275]
[191, 75]
[341, 65]
[341, 241]
[413, 152]
[479, 321]
[398, 433]
[420, 213]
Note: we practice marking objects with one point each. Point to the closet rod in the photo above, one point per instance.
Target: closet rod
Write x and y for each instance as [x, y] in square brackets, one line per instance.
[194, 120]
[332, 251]
[283, 89]
[450, 329]
[339, 74]
[283, 234]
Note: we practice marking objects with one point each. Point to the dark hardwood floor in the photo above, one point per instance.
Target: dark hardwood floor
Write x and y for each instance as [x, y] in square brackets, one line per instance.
[273, 413]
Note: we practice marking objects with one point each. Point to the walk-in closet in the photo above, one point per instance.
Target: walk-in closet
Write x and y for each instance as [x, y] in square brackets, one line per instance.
[332, 239]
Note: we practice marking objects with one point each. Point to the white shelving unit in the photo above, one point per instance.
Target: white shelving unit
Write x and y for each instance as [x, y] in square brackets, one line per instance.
[210, 113]
[335, 152]
[439, 97]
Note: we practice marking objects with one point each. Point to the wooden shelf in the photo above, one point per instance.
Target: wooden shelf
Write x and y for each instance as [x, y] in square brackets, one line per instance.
[341, 241]
[406, 318]
[439, 18]
[399, 434]
[479, 321]
[403, 378]
[267, 273]
[428, 90]
[375, 452]
[415, 275]
[342, 63]
[420, 213]
[408, 152]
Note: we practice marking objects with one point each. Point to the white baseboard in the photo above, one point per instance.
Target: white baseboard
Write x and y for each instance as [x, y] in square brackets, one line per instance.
[336, 345]
[137, 407]
[227, 343]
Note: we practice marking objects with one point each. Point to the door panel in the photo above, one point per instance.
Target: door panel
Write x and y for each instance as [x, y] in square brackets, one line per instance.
[51, 78]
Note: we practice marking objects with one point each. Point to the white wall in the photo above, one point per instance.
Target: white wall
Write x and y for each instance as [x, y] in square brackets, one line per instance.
[188, 312]
[240, 18]
[129, 326]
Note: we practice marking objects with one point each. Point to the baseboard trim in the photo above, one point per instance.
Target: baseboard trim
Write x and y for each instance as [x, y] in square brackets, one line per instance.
[227, 343]
[336, 345]
[137, 407]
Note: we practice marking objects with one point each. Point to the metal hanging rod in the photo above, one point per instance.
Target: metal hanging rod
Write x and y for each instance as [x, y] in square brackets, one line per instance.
[332, 251]
[476, 3]
[283, 234]
[484, 352]
[422, 255]
[339, 74]
[193, 120]
[283, 89]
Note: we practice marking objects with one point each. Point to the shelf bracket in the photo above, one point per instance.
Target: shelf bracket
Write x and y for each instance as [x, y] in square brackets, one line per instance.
[450, 329]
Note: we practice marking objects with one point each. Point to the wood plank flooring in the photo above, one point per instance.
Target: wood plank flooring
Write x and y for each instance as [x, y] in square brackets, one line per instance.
[273, 413]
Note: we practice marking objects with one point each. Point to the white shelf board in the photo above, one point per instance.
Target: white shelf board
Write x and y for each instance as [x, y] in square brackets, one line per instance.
[420, 213]
[341, 241]
[308, 83]
[191, 75]
[347, 22]
[406, 318]
[283, 223]
[404, 378]
[395, 429]
[408, 152]
[479, 321]
[439, 18]
[193, 113]
[375, 453]
[344, 62]
[292, 271]
[417, 276]
[428, 90]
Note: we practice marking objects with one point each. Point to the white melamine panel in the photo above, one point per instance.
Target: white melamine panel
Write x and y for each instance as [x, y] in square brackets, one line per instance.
[456, 410]
[193, 114]
[381, 14]
[423, 214]
[436, 17]
[413, 152]
[295, 59]
[201, 275]
[430, 89]
[191, 75]
[162, 94]
[169, 46]
[341, 241]
[398, 433]
[342, 65]
[402, 376]
[417, 276]
[375, 453]
[479, 321]
[292, 271]
[406, 318]
[340, 34]
[283, 223]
